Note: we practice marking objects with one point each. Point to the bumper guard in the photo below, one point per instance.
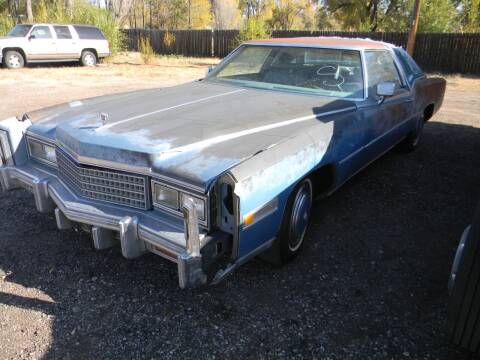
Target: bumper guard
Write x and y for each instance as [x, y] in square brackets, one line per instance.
[174, 239]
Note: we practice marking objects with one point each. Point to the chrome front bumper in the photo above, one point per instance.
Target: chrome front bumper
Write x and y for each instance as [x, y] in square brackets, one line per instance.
[138, 231]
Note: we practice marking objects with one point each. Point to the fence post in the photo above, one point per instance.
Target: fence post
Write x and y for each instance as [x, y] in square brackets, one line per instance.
[213, 43]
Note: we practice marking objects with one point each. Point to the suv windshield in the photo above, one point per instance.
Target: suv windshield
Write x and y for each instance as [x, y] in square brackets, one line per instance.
[327, 72]
[20, 30]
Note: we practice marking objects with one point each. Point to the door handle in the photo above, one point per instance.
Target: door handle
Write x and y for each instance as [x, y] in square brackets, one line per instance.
[409, 100]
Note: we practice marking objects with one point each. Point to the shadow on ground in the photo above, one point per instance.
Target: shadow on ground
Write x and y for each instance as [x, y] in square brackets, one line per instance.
[371, 282]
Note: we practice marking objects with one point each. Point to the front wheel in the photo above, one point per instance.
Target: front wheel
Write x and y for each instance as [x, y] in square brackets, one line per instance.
[88, 58]
[294, 225]
[13, 60]
[464, 285]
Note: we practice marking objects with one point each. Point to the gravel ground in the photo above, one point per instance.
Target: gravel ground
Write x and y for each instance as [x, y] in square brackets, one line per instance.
[371, 282]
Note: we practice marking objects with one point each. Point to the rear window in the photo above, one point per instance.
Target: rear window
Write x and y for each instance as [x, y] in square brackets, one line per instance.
[410, 67]
[89, 33]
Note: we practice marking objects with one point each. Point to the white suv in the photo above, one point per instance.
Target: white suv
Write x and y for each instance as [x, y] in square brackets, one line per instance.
[52, 43]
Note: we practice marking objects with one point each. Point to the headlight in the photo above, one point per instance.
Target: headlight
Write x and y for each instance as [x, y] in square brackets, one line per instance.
[6, 157]
[42, 151]
[172, 200]
[166, 196]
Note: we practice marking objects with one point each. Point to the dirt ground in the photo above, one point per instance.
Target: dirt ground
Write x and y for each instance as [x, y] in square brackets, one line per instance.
[371, 282]
[40, 86]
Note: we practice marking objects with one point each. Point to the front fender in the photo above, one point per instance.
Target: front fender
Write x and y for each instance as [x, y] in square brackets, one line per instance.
[266, 180]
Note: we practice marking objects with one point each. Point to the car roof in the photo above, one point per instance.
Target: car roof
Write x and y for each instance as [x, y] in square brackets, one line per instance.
[324, 42]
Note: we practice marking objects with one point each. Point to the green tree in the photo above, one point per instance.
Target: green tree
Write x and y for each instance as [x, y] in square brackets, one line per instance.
[438, 16]
[256, 8]
[469, 15]
[284, 14]
[393, 15]
[293, 14]
[253, 28]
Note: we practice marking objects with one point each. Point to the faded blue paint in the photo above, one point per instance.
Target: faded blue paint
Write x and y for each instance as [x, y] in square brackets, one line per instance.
[358, 138]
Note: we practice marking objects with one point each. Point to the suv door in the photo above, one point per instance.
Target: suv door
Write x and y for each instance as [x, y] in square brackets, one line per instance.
[391, 118]
[67, 46]
[41, 43]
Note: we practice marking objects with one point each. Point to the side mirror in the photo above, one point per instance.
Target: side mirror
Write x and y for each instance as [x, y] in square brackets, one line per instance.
[31, 37]
[386, 88]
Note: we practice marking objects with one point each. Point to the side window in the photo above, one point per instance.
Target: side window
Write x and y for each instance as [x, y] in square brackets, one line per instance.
[41, 32]
[381, 67]
[63, 32]
[89, 33]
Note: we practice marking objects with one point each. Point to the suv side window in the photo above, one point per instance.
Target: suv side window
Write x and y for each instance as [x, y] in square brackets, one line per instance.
[89, 33]
[380, 68]
[41, 32]
[63, 32]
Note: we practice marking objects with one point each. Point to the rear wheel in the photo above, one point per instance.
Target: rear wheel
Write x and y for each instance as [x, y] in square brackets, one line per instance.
[464, 286]
[89, 58]
[13, 60]
[413, 139]
[294, 225]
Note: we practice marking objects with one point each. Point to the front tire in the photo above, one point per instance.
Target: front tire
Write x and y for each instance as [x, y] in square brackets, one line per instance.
[294, 226]
[13, 60]
[464, 286]
[88, 58]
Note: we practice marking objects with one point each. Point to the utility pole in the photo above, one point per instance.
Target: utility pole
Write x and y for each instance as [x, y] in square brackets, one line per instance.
[413, 30]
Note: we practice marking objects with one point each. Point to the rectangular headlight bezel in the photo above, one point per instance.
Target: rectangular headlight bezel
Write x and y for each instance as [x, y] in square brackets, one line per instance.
[6, 155]
[204, 222]
[157, 187]
[30, 140]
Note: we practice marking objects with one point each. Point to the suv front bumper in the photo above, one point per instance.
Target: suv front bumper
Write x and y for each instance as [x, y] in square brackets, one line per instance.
[138, 231]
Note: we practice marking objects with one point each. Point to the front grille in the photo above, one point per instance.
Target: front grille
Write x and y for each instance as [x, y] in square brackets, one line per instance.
[103, 184]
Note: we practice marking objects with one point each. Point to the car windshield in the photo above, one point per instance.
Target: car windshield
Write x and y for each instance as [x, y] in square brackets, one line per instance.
[326, 72]
[20, 30]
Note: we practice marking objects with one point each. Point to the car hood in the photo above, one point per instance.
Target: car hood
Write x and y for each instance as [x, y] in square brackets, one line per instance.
[190, 133]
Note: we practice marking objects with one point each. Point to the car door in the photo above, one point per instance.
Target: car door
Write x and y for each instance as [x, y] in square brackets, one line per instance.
[389, 118]
[41, 43]
[67, 45]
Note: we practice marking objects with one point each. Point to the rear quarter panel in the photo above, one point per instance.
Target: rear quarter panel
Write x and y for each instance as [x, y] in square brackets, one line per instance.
[100, 46]
[428, 91]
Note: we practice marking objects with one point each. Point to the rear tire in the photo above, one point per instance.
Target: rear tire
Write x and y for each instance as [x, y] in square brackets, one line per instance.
[464, 302]
[294, 226]
[13, 60]
[88, 58]
[413, 139]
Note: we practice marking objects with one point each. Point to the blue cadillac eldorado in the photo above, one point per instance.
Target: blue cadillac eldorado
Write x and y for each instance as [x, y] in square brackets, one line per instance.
[211, 173]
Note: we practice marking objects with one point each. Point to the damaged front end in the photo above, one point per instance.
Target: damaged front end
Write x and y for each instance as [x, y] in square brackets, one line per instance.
[202, 253]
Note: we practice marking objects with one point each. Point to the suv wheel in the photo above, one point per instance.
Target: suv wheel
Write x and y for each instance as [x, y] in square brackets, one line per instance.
[88, 58]
[13, 60]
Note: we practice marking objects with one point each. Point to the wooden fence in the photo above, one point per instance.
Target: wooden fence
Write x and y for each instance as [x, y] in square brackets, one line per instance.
[434, 52]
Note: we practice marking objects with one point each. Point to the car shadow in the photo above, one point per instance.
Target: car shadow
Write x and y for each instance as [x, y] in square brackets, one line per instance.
[370, 280]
